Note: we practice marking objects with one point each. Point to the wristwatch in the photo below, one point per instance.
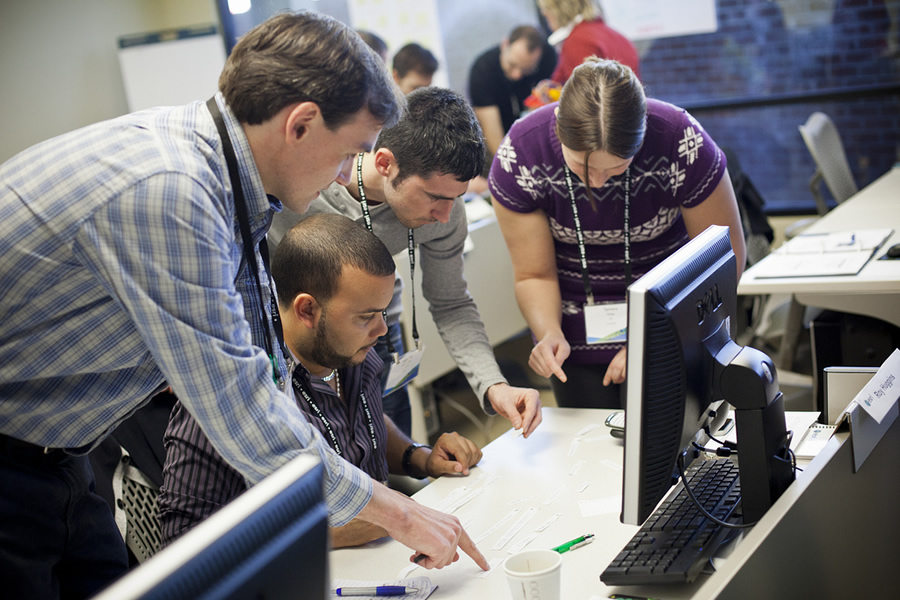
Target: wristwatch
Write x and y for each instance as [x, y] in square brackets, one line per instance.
[407, 457]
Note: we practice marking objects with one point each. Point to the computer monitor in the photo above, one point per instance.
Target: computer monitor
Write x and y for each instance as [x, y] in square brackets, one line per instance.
[682, 363]
[270, 542]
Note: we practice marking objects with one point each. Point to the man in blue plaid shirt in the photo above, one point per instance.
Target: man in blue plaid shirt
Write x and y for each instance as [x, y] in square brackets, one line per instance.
[125, 271]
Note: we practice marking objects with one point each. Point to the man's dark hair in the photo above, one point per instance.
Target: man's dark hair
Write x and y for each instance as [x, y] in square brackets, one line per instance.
[311, 256]
[374, 42]
[438, 134]
[306, 56]
[533, 38]
[413, 57]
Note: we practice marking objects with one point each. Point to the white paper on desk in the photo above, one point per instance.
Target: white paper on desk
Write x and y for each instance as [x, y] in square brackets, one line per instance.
[424, 586]
[600, 506]
[822, 254]
[814, 440]
[811, 265]
[883, 390]
[797, 421]
[836, 241]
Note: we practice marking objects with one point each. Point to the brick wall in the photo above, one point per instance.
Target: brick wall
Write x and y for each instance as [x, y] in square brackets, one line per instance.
[788, 49]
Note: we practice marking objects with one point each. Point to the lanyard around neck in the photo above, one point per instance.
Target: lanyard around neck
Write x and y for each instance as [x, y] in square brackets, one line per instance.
[410, 245]
[240, 204]
[300, 387]
[579, 234]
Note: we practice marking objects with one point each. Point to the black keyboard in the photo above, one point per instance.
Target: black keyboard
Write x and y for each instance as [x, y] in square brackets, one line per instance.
[676, 542]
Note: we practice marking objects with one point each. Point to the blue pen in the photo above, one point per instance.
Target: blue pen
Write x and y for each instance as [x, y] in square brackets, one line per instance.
[381, 590]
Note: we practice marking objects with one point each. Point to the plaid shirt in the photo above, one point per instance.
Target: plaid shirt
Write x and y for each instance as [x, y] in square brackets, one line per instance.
[122, 273]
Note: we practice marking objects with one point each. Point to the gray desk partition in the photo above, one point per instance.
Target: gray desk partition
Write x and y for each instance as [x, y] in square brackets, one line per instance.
[834, 535]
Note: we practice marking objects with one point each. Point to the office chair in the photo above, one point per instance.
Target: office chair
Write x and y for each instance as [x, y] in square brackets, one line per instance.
[824, 144]
[136, 507]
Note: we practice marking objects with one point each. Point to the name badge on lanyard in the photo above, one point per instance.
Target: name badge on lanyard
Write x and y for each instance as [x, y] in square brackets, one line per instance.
[607, 322]
[403, 370]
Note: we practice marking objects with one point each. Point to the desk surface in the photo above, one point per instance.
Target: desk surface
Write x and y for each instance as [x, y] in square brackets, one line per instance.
[541, 479]
[875, 291]
[832, 534]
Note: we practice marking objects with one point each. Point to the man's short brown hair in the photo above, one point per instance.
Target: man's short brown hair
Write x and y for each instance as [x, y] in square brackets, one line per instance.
[307, 56]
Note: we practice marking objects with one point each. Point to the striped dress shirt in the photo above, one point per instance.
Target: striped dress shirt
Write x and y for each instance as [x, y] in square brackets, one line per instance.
[122, 273]
[198, 481]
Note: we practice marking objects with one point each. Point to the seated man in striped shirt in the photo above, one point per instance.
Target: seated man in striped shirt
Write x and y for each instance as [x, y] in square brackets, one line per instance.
[334, 281]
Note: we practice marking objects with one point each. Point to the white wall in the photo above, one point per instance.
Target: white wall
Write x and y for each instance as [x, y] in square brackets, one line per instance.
[59, 67]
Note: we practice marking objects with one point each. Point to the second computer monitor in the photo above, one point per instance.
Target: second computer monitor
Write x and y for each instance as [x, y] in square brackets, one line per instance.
[682, 364]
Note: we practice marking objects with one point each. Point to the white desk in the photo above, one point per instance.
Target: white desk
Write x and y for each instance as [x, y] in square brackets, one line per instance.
[874, 291]
[529, 472]
[488, 272]
[798, 535]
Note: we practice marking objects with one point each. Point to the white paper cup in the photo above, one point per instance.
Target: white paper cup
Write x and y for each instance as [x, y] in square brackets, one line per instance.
[534, 575]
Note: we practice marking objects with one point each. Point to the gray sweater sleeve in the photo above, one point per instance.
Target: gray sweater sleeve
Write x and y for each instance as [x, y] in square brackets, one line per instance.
[452, 307]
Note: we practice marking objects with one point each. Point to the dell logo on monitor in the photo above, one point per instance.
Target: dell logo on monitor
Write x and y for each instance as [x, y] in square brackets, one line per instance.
[710, 302]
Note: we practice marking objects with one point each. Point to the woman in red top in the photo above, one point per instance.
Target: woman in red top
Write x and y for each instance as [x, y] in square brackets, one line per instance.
[580, 27]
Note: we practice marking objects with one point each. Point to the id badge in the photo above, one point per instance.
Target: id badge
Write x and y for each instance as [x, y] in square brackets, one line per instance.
[404, 371]
[605, 323]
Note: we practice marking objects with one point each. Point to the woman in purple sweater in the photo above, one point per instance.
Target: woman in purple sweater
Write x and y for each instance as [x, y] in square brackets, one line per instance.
[590, 194]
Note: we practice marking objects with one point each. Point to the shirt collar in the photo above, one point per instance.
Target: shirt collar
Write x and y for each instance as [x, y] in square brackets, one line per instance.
[563, 32]
[258, 202]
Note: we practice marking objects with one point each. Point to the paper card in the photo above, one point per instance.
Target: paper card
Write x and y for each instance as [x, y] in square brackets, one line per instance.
[883, 390]
[796, 421]
[404, 371]
[605, 323]
[600, 506]
[814, 440]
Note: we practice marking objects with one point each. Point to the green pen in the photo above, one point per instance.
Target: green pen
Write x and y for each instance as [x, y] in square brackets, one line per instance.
[576, 543]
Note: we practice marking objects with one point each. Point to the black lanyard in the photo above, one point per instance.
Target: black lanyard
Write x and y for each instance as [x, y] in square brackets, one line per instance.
[410, 244]
[579, 234]
[240, 205]
[300, 387]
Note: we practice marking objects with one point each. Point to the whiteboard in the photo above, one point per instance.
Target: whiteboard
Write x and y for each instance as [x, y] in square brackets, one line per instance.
[649, 19]
[171, 67]
[407, 21]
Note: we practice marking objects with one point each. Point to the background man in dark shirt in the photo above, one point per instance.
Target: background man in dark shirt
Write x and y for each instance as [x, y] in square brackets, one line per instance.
[502, 77]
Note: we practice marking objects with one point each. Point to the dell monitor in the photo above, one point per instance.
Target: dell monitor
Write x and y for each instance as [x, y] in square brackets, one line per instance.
[682, 367]
[270, 542]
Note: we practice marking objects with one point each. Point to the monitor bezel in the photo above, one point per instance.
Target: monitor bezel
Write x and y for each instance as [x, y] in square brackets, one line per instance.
[276, 519]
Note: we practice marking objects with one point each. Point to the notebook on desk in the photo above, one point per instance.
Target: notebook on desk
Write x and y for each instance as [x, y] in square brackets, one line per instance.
[822, 254]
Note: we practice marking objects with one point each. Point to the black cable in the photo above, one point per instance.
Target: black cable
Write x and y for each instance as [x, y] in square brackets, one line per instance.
[710, 436]
[700, 507]
[792, 461]
[723, 451]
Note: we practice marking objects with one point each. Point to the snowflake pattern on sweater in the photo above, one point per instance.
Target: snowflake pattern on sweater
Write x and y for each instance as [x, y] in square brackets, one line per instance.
[677, 166]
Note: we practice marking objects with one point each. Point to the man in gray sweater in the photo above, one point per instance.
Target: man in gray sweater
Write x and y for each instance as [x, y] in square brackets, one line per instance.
[408, 192]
